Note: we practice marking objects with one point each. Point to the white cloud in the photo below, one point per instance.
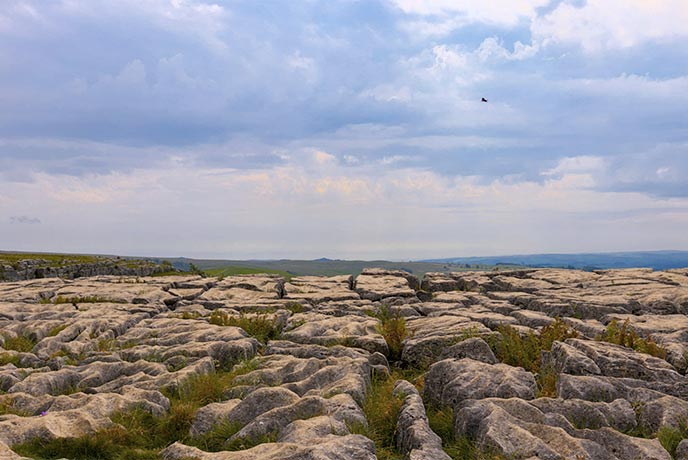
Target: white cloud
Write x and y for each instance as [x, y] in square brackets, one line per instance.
[579, 164]
[492, 47]
[377, 212]
[600, 25]
[500, 12]
[323, 158]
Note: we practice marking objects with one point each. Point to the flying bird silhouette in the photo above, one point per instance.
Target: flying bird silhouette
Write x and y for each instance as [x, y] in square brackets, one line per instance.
[484, 100]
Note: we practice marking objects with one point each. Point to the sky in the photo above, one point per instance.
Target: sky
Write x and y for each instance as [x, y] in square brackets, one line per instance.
[343, 128]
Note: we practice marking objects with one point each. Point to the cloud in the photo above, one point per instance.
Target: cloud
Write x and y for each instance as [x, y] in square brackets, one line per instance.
[599, 25]
[292, 209]
[500, 12]
[24, 220]
[576, 165]
[359, 116]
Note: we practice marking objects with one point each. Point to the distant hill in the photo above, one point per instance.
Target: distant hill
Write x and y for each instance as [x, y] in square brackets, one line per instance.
[318, 267]
[657, 260]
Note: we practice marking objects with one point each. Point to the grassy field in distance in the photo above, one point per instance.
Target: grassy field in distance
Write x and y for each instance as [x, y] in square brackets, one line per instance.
[326, 267]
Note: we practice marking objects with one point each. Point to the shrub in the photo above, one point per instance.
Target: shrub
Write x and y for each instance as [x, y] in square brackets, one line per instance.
[262, 327]
[626, 336]
[525, 351]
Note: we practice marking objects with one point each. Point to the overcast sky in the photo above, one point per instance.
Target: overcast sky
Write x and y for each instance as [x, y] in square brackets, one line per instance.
[343, 128]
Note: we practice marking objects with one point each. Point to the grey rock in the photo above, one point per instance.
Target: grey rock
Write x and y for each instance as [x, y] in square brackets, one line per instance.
[474, 348]
[682, 450]
[451, 381]
[414, 438]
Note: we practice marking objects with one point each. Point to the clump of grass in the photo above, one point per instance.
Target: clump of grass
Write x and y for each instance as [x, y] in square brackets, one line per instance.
[525, 351]
[202, 389]
[393, 328]
[626, 336]
[188, 315]
[57, 329]
[458, 448]
[106, 344]
[216, 439]
[20, 343]
[294, 307]
[262, 327]
[670, 437]
[244, 443]
[381, 409]
[7, 407]
[8, 358]
[84, 299]
[97, 447]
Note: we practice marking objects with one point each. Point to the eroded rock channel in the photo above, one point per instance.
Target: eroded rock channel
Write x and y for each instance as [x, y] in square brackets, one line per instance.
[547, 364]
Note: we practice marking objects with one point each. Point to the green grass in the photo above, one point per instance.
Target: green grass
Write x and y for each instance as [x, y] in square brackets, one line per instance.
[670, 437]
[626, 336]
[52, 260]
[232, 270]
[393, 328]
[216, 439]
[19, 343]
[57, 329]
[262, 327]
[7, 358]
[381, 409]
[525, 351]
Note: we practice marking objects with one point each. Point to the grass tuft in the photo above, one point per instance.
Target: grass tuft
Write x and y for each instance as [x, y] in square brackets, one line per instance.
[8, 358]
[392, 328]
[83, 299]
[57, 329]
[262, 327]
[381, 409]
[670, 437]
[19, 343]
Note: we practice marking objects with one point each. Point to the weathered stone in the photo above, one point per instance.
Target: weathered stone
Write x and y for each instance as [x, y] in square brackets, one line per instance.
[682, 450]
[379, 284]
[319, 289]
[474, 348]
[451, 381]
[414, 437]
[316, 328]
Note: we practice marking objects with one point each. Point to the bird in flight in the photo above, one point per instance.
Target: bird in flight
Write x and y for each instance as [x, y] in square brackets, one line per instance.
[484, 100]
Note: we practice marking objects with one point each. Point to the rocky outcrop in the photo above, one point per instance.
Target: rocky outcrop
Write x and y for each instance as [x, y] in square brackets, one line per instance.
[298, 360]
[29, 269]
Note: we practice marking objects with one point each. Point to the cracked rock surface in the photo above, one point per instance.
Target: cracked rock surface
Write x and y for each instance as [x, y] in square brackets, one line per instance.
[300, 357]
